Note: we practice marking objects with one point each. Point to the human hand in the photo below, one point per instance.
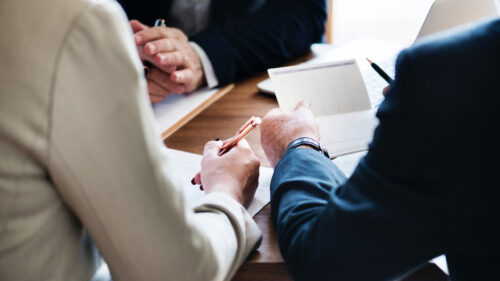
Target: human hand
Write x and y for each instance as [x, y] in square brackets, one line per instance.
[235, 173]
[279, 129]
[177, 67]
[385, 90]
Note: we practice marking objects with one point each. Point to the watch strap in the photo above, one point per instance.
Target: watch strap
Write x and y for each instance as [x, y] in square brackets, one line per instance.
[314, 144]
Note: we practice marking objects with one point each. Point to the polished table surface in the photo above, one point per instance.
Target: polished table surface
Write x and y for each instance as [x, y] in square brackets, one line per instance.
[221, 120]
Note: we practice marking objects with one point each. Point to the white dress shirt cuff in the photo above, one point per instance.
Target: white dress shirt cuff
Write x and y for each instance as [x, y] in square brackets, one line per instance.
[208, 69]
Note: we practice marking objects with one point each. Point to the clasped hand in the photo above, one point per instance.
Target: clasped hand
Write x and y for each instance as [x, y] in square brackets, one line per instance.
[176, 67]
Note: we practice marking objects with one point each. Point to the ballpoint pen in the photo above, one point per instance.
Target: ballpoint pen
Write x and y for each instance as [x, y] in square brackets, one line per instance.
[381, 72]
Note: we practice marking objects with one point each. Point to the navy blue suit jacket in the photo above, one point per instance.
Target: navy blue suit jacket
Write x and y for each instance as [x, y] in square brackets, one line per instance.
[247, 36]
[429, 184]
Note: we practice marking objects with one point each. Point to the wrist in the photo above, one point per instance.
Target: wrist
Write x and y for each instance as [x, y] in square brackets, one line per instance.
[227, 189]
[307, 142]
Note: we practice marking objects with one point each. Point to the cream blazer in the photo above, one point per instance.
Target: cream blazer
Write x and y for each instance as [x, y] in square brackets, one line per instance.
[79, 154]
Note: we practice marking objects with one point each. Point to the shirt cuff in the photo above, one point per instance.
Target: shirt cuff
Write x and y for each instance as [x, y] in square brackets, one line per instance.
[208, 69]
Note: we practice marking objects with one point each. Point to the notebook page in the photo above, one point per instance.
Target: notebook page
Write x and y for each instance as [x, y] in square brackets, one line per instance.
[332, 88]
[347, 133]
[188, 164]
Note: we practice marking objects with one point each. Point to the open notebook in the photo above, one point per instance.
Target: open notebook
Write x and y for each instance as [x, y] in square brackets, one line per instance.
[339, 102]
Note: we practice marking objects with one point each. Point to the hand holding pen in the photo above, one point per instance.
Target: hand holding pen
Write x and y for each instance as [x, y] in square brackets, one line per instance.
[227, 145]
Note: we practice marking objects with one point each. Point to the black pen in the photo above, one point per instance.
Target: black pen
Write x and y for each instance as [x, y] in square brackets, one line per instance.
[147, 64]
[381, 72]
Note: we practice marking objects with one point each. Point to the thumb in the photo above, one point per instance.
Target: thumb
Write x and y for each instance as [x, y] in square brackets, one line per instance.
[137, 26]
[303, 104]
[212, 149]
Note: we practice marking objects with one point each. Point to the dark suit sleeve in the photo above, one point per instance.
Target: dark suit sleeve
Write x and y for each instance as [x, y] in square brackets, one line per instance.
[279, 32]
[376, 225]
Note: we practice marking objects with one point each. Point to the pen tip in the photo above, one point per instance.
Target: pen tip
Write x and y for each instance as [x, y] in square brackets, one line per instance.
[369, 60]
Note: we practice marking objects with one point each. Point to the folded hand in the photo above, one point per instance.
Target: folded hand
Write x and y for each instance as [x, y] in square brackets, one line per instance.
[176, 67]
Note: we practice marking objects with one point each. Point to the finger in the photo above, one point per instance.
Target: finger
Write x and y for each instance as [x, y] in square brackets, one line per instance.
[243, 143]
[173, 59]
[241, 146]
[303, 104]
[163, 79]
[212, 149]
[184, 76]
[164, 45]
[156, 99]
[197, 179]
[154, 33]
[137, 26]
[271, 114]
[156, 89]
[385, 90]
[274, 111]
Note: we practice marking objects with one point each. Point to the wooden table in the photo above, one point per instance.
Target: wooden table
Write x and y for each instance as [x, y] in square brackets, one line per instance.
[220, 120]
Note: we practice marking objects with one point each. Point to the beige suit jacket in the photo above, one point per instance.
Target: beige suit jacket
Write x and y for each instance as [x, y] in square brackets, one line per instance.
[79, 154]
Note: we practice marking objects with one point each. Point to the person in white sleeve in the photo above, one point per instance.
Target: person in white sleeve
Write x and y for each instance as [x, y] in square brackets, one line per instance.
[80, 162]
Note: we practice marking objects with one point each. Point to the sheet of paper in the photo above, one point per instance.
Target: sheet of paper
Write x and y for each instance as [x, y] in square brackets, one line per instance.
[347, 133]
[188, 164]
[175, 107]
[384, 53]
[332, 88]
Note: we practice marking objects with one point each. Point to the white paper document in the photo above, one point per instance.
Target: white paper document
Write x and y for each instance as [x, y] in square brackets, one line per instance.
[174, 108]
[188, 164]
[382, 52]
[339, 102]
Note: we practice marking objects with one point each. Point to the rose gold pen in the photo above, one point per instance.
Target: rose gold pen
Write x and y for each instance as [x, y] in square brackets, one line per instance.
[252, 123]
[240, 134]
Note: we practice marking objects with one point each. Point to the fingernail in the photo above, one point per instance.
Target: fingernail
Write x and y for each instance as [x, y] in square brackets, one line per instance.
[151, 49]
[162, 58]
[193, 182]
[138, 39]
